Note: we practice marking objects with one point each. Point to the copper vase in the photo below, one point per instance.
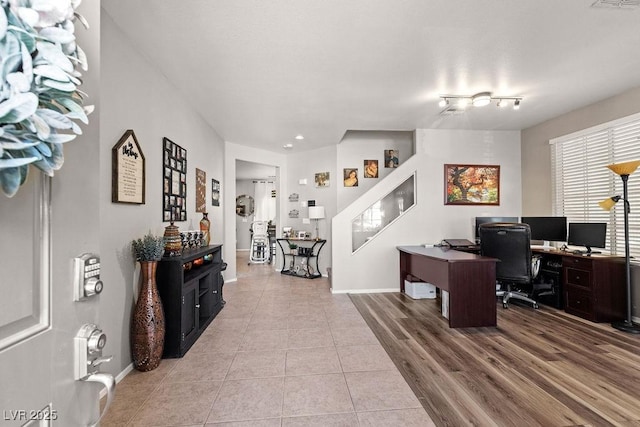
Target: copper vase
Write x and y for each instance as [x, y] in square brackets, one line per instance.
[147, 323]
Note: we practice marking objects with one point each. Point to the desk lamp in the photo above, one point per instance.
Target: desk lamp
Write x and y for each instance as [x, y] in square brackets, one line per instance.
[316, 213]
[624, 170]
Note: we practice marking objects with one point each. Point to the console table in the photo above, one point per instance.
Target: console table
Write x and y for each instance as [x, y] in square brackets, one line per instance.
[307, 251]
[190, 287]
[470, 280]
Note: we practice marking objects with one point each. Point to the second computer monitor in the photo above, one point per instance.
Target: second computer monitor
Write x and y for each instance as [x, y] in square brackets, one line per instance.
[491, 219]
[547, 228]
[588, 234]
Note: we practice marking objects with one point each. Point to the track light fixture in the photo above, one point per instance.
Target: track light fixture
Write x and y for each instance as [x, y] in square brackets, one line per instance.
[478, 100]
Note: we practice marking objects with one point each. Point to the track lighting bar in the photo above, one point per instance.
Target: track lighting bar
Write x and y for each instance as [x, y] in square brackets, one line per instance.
[479, 100]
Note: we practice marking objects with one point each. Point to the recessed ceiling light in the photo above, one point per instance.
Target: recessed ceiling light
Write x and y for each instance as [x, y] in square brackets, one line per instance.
[299, 137]
[287, 146]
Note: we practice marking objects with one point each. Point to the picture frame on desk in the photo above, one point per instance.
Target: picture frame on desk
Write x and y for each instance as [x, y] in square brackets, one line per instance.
[471, 184]
[302, 234]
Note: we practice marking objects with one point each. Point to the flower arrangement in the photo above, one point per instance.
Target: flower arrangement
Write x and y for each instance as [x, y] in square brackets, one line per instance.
[149, 248]
[40, 102]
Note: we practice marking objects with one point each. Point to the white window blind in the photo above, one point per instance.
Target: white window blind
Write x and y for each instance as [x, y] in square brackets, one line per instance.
[581, 179]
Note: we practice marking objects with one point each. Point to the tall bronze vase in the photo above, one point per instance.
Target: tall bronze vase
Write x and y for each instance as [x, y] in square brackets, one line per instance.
[147, 323]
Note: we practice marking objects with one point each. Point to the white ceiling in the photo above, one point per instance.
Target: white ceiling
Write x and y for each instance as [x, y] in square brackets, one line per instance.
[262, 71]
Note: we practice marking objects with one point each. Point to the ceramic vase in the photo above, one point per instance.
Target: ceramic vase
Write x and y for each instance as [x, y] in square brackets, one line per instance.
[205, 224]
[147, 324]
[173, 241]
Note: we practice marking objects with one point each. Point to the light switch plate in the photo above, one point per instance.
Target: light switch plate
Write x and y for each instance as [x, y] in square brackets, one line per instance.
[306, 221]
[303, 203]
[302, 181]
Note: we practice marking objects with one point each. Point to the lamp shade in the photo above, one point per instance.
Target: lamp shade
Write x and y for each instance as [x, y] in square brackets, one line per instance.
[316, 212]
[608, 203]
[626, 168]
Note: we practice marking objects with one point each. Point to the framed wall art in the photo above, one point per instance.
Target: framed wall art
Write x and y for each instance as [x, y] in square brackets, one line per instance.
[215, 192]
[322, 179]
[350, 177]
[127, 171]
[370, 168]
[174, 176]
[201, 190]
[472, 184]
[391, 158]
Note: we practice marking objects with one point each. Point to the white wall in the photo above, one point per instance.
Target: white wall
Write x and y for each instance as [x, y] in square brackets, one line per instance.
[375, 266]
[304, 166]
[358, 146]
[136, 96]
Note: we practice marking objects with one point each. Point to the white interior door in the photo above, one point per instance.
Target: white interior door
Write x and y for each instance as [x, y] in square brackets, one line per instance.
[42, 228]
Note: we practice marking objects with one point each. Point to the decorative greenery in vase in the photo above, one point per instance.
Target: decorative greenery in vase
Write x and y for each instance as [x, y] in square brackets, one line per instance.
[39, 97]
[149, 248]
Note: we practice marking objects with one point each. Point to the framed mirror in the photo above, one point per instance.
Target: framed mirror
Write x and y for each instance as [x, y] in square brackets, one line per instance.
[244, 205]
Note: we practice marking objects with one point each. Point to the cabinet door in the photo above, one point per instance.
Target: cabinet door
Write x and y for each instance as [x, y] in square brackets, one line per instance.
[205, 297]
[189, 314]
[216, 290]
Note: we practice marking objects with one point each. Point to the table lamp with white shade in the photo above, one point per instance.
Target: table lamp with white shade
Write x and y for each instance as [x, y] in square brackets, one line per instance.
[316, 213]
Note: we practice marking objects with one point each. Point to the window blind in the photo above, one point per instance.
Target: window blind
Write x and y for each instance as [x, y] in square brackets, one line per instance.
[581, 179]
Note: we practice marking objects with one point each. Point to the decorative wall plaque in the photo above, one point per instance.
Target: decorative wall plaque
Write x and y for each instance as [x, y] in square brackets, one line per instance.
[127, 171]
[201, 190]
[215, 192]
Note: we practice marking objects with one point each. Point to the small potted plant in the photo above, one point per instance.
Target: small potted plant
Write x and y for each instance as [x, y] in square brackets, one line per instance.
[147, 322]
[293, 248]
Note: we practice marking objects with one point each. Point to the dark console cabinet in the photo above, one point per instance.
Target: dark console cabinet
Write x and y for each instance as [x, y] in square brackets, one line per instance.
[191, 297]
[594, 287]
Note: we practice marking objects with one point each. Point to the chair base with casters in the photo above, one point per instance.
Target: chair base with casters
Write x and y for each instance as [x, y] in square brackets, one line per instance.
[510, 293]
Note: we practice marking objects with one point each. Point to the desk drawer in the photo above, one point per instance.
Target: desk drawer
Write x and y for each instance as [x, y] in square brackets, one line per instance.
[577, 262]
[573, 276]
[579, 303]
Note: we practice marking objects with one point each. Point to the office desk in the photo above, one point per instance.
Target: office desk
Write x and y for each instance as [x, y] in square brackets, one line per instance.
[470, 280]
[591, 287]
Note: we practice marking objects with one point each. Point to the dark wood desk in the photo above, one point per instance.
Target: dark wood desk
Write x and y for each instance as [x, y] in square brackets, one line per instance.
[470, 280]
[592, 286]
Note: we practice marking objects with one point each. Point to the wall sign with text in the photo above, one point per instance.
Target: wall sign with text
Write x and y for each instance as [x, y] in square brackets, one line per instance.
[127, 170]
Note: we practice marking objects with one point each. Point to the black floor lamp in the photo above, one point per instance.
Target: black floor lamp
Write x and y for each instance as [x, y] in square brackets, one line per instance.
[624, 170]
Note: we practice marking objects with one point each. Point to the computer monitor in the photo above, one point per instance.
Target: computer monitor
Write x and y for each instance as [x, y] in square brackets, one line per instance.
[547, 228]
[490, 219]
[588, 234]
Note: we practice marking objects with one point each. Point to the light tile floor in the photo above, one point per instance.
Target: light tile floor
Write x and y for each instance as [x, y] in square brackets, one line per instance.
[284, 351]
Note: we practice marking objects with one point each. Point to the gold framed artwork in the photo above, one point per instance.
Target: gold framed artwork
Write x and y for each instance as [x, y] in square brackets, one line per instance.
[174, 176]
[472, 184]
[128, 183]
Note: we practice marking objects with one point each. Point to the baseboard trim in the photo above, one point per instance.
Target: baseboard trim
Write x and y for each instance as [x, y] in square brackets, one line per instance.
[119, 377]
[365, 291]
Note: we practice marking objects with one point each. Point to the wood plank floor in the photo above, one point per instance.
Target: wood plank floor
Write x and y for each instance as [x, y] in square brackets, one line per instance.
[538, 367]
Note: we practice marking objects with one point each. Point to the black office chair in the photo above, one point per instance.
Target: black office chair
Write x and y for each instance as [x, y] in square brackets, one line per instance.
[511, 244]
